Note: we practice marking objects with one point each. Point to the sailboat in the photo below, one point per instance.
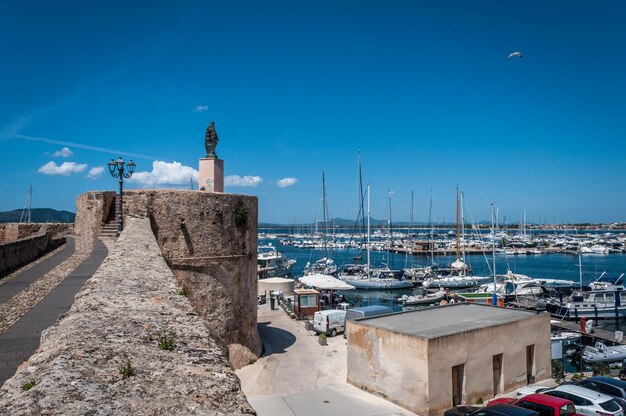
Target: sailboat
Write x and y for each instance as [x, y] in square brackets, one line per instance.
[326, 264]
[457, 275]
[364, 277]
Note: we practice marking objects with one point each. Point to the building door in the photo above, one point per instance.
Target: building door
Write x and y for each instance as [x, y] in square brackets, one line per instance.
[530, 357]
[457, 384]
[497, 373]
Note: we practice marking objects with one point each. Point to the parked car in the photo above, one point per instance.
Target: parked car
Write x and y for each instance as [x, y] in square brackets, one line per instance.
[495, 410]
[587, 402]
[525, 391]
[544, 404]
[329, 322]
[607, 385]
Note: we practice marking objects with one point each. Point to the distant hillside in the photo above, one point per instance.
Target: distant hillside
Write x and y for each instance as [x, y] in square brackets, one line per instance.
[38, 215]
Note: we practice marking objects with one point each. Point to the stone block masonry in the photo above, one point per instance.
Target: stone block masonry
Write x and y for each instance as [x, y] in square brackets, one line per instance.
[115, 322]
[17, 252]
[14, 231]
[210, 242]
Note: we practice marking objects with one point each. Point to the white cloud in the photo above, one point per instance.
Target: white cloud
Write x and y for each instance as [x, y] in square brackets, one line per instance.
[200, 109]
[164, 174]
[285, 182]
[236, 180]
[95, 173]
[65, 152]
[64, 169]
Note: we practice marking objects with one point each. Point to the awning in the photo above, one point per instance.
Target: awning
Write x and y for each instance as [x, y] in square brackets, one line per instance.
[325, 282]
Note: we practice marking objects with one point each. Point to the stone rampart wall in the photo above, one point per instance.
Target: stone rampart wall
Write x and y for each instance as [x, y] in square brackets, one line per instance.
[122, 317]
[92, 209]
[14, 231]
[210, 242]
[17, 252]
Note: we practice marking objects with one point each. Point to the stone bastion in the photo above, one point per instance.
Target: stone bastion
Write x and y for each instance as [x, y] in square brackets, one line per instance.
[209, 241]
[131, 344]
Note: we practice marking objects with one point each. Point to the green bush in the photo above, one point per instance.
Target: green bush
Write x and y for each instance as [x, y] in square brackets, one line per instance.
[166, 340]
[241, 215]
[29, 385]
[127, 370]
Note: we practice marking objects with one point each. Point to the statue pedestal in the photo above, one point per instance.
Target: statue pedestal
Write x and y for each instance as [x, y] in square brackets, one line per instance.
[211, 176]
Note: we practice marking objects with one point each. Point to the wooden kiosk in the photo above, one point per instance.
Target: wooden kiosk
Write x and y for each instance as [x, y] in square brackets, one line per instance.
[306, 302]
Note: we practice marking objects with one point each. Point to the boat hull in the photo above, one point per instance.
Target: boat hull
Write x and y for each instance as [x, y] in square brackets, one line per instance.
[379, 284]
[588, 312]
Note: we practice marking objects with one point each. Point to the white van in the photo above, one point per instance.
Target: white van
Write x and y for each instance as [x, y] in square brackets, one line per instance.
[329, 322]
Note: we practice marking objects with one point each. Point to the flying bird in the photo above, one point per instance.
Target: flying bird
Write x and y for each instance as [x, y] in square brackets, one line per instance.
[518, 54]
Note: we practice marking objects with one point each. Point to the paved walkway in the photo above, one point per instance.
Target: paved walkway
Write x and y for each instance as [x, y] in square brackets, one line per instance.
[298, 377]
[21, 340]
[11, 287]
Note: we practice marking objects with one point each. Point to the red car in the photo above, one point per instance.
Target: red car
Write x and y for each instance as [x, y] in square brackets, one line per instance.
[542, 403]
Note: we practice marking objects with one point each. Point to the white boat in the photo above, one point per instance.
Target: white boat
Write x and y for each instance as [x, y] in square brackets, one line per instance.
[321, 266]
[600, 353]
[364, 277]
[456, 282]
[272, 263]
[596, 304]
[425, 299]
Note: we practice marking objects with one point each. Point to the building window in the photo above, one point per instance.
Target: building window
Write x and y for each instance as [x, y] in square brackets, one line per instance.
[307, 301]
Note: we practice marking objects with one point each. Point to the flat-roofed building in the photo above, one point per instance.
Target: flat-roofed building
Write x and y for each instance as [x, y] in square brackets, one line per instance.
[431, 359]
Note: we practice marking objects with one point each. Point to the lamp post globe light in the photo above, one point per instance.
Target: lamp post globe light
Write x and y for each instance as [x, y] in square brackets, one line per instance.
[117, 170]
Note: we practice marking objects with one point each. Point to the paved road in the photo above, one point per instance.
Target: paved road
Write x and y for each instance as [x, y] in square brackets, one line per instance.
[21, 340]
[298, 377]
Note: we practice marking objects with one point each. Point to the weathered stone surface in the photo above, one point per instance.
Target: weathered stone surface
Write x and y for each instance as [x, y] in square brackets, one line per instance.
[92, 210]
[117, 318]
[18, 252]
[14, 231]
[209, 241]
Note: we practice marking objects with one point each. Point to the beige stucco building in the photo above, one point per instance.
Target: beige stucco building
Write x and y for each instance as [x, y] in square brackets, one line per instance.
[431, 359]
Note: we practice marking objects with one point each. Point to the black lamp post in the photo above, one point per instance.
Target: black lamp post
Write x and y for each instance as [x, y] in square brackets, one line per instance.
[117, 171]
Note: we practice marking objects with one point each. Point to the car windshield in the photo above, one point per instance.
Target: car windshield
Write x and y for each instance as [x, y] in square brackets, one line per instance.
[610, 405]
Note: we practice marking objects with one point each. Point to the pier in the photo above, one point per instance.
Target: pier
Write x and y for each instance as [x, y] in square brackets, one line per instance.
[604, 335]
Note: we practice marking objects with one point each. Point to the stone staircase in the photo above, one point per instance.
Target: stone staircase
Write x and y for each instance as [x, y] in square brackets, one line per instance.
[110, 226]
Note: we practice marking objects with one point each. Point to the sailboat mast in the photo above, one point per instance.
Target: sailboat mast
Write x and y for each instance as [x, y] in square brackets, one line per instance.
[430, 229]
[458, 225]
[368, 230]
[493, 253]
[580, 268]
[390, 229]
[324, 207]
[462, 195]
[361, 195]
[409, 234]
[30, 200]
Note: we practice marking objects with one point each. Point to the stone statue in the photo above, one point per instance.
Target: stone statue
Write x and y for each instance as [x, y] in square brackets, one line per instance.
[210, 140]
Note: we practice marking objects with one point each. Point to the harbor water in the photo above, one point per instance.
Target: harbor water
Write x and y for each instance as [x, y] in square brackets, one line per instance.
[549, 266]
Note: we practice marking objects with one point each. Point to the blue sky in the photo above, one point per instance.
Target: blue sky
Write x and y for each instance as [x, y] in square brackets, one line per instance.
[423, 89]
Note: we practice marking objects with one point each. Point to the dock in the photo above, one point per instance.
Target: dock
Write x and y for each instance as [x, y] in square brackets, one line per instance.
[607, 337]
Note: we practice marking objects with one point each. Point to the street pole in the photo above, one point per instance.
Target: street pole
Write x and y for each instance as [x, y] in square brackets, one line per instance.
[119, 169]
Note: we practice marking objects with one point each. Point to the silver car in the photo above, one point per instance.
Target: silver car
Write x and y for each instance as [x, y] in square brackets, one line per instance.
[587, 402]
